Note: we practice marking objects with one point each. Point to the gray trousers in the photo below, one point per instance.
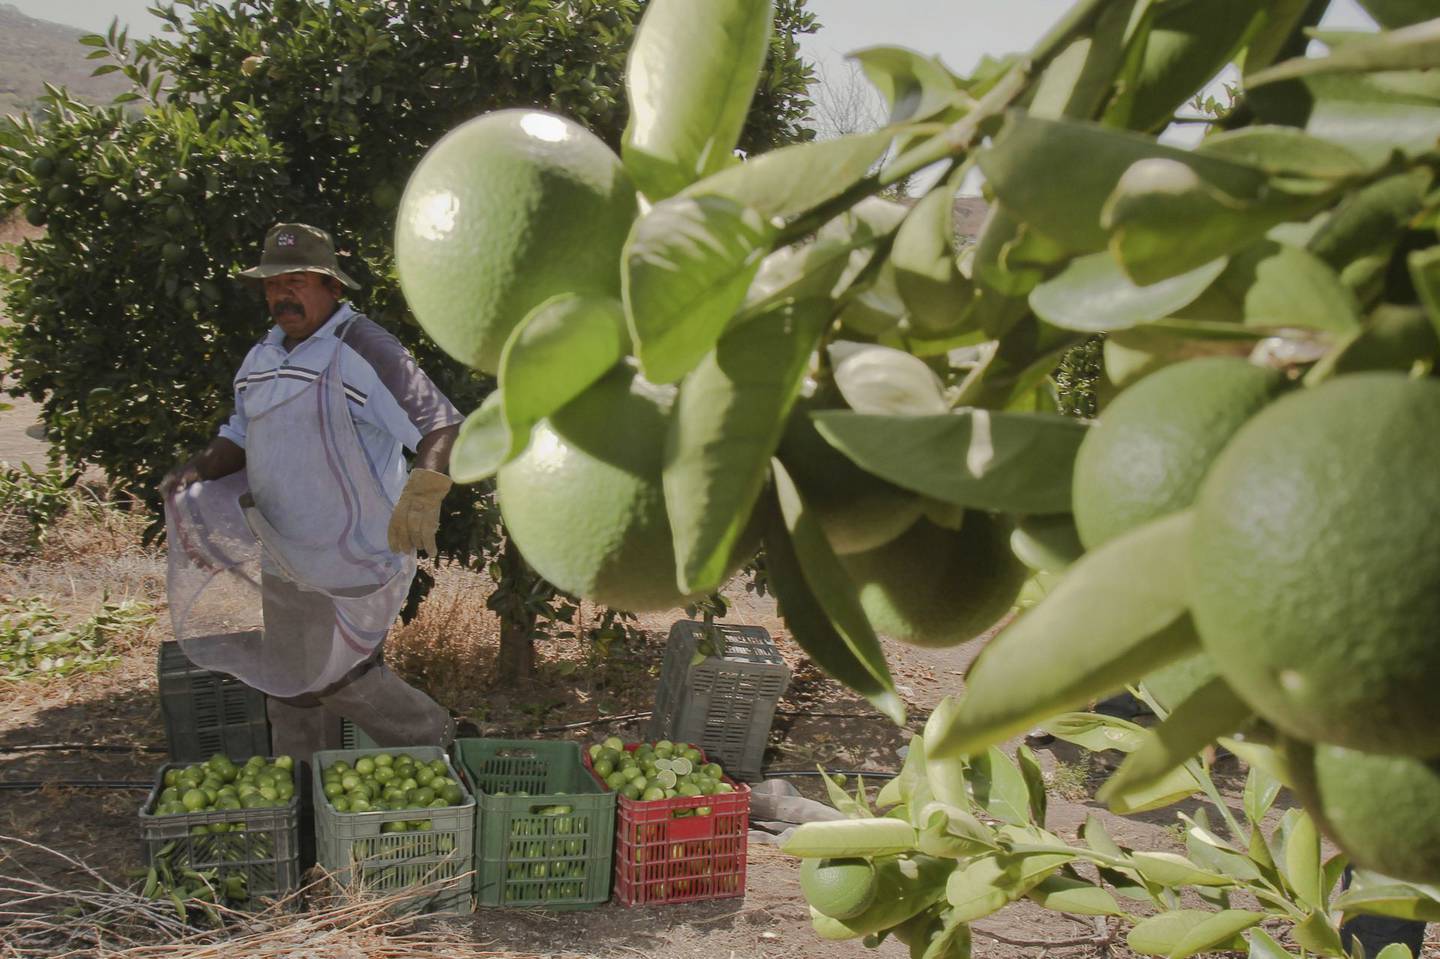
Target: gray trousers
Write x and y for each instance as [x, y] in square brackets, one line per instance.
[391, 712]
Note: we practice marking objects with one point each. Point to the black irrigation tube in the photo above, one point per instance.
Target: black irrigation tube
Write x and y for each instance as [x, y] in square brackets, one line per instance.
[78, 747]
[80, 784]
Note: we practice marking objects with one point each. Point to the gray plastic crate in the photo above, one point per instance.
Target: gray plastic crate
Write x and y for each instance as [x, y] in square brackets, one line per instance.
[262, 845]
[206, 712]
[725, 703]
[357, 850]
[353, 737]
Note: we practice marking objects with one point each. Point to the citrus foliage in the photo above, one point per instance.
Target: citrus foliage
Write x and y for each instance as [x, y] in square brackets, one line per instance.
[35, 643]
[1298, 237]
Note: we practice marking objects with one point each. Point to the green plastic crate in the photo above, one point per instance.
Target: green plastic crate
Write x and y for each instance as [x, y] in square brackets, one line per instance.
[356, 850]
[526, 853]
[206, 712]
[266, 850]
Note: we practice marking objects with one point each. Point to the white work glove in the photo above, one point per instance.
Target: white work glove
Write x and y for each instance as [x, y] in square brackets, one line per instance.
[417, 514]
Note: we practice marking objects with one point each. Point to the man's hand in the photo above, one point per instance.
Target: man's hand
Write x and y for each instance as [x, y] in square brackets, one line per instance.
[178, 479]
[417, 514]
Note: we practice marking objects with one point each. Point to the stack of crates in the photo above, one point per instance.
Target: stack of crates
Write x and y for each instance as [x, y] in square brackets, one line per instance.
[682, 849]
[726, 702]
[550, 848]
[353, 737]
[362, 854]
[207, 712]
[260, 844]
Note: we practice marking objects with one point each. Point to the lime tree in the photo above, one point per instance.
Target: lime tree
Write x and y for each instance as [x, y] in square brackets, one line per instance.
[1246, 525]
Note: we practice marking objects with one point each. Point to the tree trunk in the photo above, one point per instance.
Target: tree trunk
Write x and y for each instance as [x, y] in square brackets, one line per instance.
[517, 619]
[517, 652]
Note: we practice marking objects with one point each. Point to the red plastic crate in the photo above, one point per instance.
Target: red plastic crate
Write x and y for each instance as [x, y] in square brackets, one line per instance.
[660, 858]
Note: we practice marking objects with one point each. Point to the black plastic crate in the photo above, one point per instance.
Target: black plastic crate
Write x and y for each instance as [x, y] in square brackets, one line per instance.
[724, 703]
[261, 844]
[206, 712]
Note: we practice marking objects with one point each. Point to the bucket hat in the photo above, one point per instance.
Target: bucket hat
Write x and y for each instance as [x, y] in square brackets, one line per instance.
[297, 248]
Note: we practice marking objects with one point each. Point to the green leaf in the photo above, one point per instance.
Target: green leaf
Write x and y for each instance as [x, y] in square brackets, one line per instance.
[953, 833]
[1395, 950]
[1173, 787]
[1096, 731]
[952, 941]
[927, 273]
[1173, 871]
[483, 444]
[1111, 620]
[1398, 13]
[1165, 219]
[1034, 778]
[1264, 947]
[1012, 462]
[91, 40]
[978, 888]
[998, 787]
[1209, 851]
[1395, 338]
[795, 179]
[1424, 268]
[840, 799]
[1076, 897]
[1370, 115]
[689, 79]
[820, 603]
[1284, 151]
[1093, 294]
[915, 87]
[1261, 788]
[728, 418]
[556, 351]
[1184, 932]
[1047, 544]
[1186, 43]
[847, 838]
[1211, 711]
[1031, 168]
[1317, 933]
[1415, 47]
[901, 789]
[882, 381]
[946, 775]
[1295, 288]
[1078, 81]
[1280, 24]
[1300, 862]
[688, 263]
[1171, 685]
[1387, 898]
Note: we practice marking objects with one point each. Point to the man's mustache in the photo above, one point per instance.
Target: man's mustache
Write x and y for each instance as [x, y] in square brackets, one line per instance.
[287, 306]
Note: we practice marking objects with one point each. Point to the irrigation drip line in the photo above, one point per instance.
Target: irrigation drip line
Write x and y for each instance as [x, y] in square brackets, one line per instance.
[78, 747]
[872, 773]
[80, 784]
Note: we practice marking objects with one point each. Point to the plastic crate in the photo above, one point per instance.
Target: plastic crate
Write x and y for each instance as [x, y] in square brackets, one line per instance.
[353, 737]
[725, 703]
[354, 847]
[266, 851]
[207, 712]
[662, 857]
[524, 857]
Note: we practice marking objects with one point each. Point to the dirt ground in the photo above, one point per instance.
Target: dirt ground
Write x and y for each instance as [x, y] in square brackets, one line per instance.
[109, 728]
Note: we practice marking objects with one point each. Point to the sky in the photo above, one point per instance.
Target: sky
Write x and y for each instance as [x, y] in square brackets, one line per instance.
[958, 30]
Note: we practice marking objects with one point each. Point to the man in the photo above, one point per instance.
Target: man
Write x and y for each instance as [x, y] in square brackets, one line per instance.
[325, 404]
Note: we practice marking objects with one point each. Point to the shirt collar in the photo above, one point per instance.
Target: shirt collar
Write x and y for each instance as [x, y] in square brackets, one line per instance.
[343, 312]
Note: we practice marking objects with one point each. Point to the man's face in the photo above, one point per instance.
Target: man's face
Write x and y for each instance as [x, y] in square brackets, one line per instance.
[301, 302]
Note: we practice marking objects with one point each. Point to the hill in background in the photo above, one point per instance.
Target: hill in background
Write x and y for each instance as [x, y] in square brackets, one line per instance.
[35, 52]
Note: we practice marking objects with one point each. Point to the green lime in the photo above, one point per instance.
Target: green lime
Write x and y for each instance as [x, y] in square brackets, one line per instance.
[1315, 561]
[932, 586]
[1153, 445]
[838, 888]
[580, 473]
[503, 213]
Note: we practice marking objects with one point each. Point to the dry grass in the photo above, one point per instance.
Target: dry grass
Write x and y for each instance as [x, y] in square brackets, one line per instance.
[41, 919]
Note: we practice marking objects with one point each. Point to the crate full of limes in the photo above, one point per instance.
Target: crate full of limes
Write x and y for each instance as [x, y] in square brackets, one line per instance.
[236, 821]
[546, 829]
[388, 820]
[681, 824]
